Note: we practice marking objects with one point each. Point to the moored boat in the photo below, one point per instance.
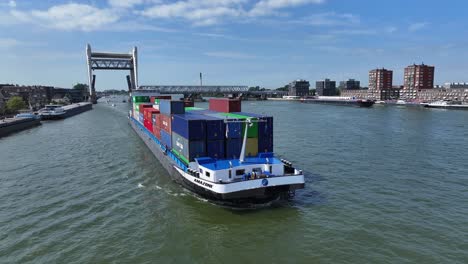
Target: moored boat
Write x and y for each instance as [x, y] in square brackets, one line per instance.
[337, 100]
[447, 105]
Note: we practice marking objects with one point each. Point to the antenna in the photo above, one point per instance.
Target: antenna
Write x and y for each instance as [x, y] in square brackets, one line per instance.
[201, 79]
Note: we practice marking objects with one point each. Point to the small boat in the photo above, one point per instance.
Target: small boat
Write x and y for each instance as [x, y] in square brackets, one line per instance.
[337, 100]
[50, 112]
[447, 105]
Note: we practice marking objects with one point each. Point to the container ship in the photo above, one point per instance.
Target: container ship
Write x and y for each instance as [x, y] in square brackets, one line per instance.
[221, 153]
[337, 100]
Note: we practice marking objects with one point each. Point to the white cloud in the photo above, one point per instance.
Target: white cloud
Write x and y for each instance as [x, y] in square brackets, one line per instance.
[130, 3]
[69, 17]
[329, 19]
[8, 42]
[209, 12]
[266, 7]
[417, 26]
[391, 29]
[229, 55]
[201, 12]
[12, 3]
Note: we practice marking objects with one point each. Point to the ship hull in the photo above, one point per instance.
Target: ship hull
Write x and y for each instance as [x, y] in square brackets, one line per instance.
[358, 103]
[452, 107]
[237, 198]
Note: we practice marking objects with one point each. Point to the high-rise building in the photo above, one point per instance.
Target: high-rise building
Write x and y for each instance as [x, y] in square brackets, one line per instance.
[417, 77]
[350, 84]
[299, 88]
[325, 88]
[380, 79]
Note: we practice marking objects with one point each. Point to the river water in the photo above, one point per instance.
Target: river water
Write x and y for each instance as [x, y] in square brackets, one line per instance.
[384, 185]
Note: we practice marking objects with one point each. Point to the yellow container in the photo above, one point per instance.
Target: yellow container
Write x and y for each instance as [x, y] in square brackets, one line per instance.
[251, 149]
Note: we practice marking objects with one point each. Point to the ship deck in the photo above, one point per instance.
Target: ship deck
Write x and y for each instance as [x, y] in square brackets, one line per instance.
[212, 164]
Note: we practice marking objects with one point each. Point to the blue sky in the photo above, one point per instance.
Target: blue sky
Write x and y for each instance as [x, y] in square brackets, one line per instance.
[247, 42]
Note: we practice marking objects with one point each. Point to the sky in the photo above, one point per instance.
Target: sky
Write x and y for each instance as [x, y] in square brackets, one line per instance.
[268, 43]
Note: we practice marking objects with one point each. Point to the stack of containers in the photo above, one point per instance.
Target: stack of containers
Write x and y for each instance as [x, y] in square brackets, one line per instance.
[225, 105]
[156, 120]
[148, 117]
[155, 99]
[137, 100]
[189, 136]
[141, 108]
[265, 131]
[232, 131]
[167, 109]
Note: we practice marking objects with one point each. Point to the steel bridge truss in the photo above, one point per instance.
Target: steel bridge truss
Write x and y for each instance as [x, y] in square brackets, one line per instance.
[194, 89]
[111, 61]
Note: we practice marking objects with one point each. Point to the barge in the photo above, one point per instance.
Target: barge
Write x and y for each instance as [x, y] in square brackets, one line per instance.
[337, 100]
[226, 157]
[18, 123]
[447, 105]
[54, 112]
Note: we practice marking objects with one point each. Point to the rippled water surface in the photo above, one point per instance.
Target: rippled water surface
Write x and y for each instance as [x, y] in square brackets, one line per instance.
[384, 185]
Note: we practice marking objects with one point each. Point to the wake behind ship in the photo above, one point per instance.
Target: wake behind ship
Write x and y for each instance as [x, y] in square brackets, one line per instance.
[221, 154]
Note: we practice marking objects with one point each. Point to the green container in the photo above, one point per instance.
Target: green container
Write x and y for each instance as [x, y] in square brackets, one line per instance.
[193, 109]
[140, 99]
[253, 130]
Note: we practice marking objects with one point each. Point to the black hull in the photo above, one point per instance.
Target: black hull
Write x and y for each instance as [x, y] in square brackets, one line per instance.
[358, 103]
[245, 198]
[448, 107]
[16, 126]
[69, 112]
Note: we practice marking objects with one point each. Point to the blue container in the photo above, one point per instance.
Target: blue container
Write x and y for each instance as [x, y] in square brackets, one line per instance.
[188, 149]
[264, 128]
[169, 107]
[140, 117]
[233, 148]
[265, 144]
[189, 126]
[215, 128]
[231, 130]
[166, 139]
[215, 149]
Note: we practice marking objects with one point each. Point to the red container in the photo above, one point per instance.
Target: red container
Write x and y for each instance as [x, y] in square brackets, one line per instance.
[157, 132]
[141, 107]
[225, 105]
[148, 115]
[165, 123]
[148, 125]
[153, 98]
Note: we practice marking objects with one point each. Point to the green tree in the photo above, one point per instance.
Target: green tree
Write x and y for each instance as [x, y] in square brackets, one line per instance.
[15, 103]
[80, 86]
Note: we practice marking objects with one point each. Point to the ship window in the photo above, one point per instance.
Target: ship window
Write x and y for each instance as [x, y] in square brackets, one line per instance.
[240, 172]
[271, 169]
[230, 174]
[201, 171]
[207, 174]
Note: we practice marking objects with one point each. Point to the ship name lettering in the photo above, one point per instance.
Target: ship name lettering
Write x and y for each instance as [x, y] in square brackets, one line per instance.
[203, 183]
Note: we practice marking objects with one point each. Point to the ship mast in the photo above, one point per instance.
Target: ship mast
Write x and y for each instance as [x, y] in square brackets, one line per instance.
[248, 124]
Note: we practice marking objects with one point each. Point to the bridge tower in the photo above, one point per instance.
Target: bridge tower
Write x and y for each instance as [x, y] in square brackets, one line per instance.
[111, 61]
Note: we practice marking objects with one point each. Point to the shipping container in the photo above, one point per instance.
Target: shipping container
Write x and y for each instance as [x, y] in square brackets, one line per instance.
[225, 105]
[171, 107]
[140, 99]
[231, 129]
[157, 132]
[187, 109]
[251, 147]
[190, 126]
[156, 99]
[166, 139]
[233, 147]
[264, 128]
[140, 117]
[215, 149]
[144, 105]
[215, 128]
[265, 143]
[165, 122]
[190, 149]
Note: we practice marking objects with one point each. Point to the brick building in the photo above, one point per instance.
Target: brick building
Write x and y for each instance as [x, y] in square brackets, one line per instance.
[417, 78]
